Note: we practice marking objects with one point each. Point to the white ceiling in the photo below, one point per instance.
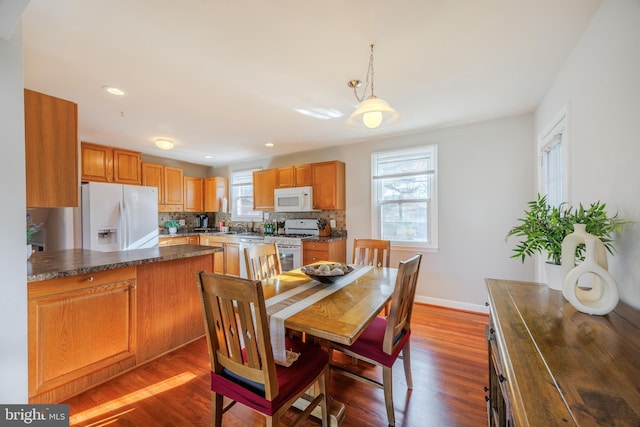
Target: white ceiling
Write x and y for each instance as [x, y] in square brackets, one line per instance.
[225, 77]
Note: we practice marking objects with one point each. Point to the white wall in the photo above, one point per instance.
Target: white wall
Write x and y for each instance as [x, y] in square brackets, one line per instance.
[600, 81]
[13, 302]
[485, 179]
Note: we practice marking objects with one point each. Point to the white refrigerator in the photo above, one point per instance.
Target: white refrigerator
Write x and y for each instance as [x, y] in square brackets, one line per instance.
[117, 217]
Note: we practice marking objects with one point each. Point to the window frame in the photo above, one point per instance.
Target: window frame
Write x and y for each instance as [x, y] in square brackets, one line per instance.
[432, 203]
[557, 133]
[232, 176]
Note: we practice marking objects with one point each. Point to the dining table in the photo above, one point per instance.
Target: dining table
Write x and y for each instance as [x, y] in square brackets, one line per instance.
[337, 312]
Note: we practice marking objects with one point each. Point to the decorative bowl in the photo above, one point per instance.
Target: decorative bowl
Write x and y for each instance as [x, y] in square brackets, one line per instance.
[328, 272]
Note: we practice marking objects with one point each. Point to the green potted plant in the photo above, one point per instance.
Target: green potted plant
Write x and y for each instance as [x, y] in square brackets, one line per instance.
[171, 225]
[544, 227]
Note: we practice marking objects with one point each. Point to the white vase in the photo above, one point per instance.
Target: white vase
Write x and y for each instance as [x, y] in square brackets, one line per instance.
[173, 230]
[29, 251]
[554, 276]
[603, 296]
[571, 242]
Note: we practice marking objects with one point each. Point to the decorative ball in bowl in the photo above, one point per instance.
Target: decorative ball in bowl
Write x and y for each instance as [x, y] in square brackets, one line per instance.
[326, 273]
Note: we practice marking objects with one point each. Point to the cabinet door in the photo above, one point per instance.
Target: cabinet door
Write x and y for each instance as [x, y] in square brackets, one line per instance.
[303, 175]
[335, 251]
[328, 185]
[173, 181]
[193, 200]
[215, 194]
[97, 163]
[264, 182]
[51, 150]
[232, 259]
[153, 176]
[284, 177]
[81, 329]
[127, 167]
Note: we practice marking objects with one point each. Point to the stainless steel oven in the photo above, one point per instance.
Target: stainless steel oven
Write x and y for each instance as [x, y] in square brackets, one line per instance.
[290, 256]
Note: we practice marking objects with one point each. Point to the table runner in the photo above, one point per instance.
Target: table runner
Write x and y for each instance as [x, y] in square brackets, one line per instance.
[281, 307]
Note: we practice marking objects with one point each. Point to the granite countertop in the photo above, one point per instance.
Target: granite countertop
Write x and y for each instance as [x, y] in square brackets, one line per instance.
[62, 263]
[324, 239]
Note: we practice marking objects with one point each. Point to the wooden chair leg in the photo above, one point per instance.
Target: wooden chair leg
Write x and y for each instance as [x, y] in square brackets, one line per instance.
[217, 408]
[387, 381]
[406, 359]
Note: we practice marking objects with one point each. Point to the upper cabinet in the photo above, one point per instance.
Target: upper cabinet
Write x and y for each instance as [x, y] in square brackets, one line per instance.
[169, 181]
[215, 194]
[264, 182]
[101, 163]
[329, 185]
[51, 150]
[193, 194]
[327, 179]
[294, 176]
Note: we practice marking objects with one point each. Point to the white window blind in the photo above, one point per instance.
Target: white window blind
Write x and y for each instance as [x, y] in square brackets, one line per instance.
[242, 196]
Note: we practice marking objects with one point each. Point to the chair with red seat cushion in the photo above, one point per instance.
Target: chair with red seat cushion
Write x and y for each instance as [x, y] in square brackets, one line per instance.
[242, 364]
[383, 340]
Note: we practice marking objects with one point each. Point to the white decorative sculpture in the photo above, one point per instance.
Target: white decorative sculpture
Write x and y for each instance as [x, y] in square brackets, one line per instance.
[602, 297]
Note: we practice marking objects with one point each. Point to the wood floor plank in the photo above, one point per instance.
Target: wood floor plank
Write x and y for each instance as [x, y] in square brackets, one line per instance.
[449, 367]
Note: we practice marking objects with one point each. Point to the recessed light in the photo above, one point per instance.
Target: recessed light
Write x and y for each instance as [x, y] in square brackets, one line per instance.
[208, 156]
[269, 144]
[164, 143]
[114, 90]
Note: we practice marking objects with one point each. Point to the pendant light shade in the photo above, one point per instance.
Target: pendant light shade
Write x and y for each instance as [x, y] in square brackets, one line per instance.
[373, 112]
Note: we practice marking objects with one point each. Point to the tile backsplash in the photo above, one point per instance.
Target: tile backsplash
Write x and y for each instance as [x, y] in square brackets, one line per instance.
[215, 218]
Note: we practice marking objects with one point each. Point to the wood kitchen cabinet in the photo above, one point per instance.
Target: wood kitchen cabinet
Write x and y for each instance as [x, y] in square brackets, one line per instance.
[193, 194]
[178, 240]
[228, 261]
[81, 331]
[294, 176]
[264, 182]
[329, 185]
[101, 163]
[334, 250]
[170, 184]
[51, 150]
[215, 194]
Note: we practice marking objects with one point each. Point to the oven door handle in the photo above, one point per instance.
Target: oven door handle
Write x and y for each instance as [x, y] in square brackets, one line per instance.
[288, 247]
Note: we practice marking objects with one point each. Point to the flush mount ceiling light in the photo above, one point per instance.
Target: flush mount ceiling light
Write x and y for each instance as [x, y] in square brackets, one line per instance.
[114, 90]
[373, 112]
[269, 144]
[164, 143]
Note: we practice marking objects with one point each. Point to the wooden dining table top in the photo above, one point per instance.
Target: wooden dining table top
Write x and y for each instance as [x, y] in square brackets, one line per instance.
[342, 316]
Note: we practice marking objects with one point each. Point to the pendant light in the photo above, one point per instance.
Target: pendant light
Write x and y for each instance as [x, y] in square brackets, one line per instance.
[373, 112]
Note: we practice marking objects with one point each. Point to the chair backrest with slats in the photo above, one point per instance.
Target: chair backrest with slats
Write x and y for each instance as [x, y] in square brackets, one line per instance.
[404, 293]
[371, 252]
[262, 261]
[237, 329]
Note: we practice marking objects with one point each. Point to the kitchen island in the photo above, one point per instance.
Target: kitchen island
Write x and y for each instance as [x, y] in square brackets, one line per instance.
[93, 315]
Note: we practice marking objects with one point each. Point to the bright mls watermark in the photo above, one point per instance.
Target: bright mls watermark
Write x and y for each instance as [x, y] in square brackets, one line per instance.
[34, 415]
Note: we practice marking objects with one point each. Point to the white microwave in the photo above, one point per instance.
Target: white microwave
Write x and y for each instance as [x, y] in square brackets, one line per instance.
[293, 199]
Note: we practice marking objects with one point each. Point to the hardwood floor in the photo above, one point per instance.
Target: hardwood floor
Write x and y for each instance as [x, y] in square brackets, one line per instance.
[449, 366]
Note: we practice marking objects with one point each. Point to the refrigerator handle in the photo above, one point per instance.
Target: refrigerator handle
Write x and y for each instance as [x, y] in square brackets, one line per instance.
[124, 239]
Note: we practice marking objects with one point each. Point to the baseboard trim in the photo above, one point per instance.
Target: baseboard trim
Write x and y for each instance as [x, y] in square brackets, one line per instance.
[453, 304]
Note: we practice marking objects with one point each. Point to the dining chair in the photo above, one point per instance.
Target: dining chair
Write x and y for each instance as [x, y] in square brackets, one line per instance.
[262, 261]
[242, 364]
[371, 252]
[382, 341]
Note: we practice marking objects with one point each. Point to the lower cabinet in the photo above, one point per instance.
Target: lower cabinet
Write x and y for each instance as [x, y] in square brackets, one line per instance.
[86, 329]
[82, 331]
[178, 240]
[228, 261]
[334, 250]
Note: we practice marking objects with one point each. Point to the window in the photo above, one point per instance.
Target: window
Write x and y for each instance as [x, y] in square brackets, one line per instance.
[242, 196]
[554, 162]
[404, 196]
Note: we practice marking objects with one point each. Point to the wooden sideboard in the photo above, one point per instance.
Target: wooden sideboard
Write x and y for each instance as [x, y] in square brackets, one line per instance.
[551, 365]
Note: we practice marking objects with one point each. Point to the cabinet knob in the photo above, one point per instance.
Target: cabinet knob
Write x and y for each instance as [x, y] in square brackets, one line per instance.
[487, 399]
[486, 304]
[502, 378]
[486, 388]
[90, 279]
[135, 287]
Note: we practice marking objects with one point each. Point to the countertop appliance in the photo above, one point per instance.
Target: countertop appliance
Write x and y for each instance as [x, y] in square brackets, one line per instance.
[117, 217]
[293, 199]
[202, 221]
[290, 243]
